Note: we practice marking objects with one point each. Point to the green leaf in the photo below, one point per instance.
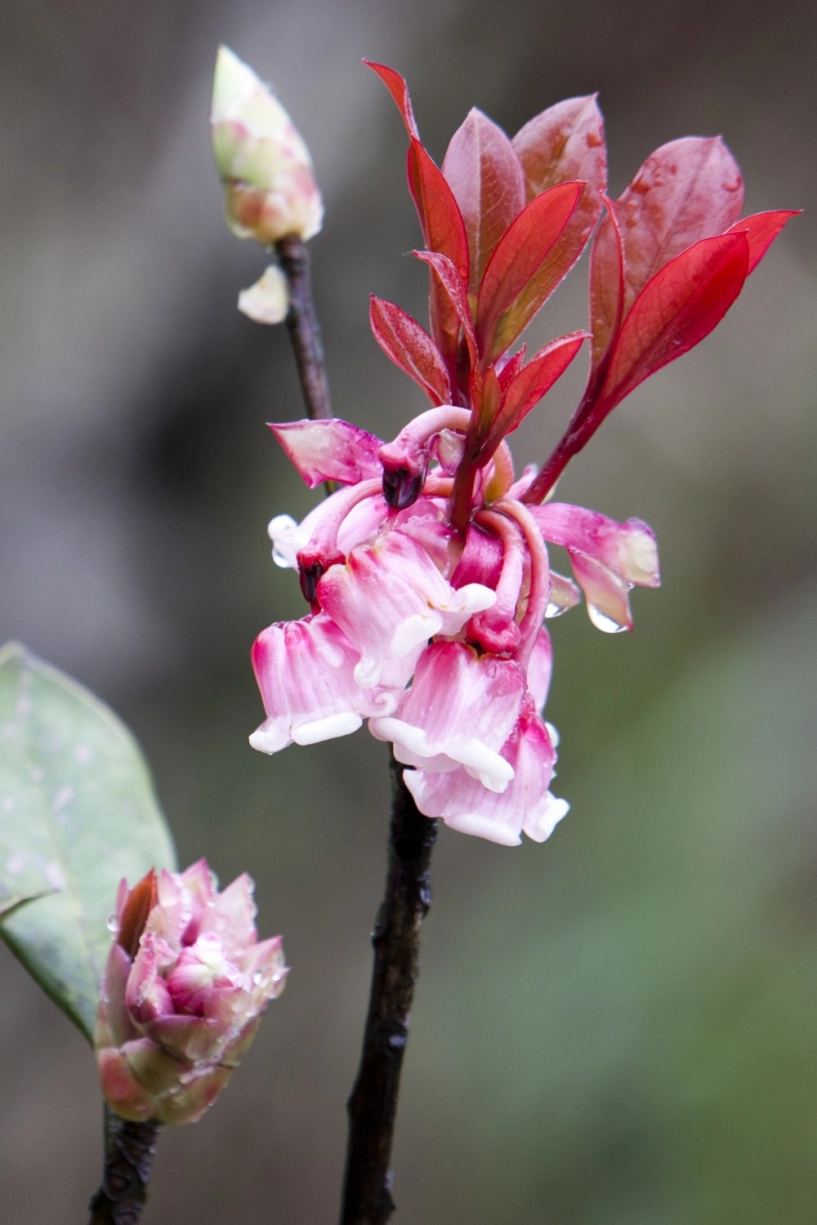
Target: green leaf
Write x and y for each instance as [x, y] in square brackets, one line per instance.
[9, 904]
[77, 813]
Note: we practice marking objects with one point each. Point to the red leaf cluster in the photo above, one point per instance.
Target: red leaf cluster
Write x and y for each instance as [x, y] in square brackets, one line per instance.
[504, 221]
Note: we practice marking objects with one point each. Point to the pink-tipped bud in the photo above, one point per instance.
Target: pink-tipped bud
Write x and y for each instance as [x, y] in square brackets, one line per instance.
[182, 994]
[265, 166]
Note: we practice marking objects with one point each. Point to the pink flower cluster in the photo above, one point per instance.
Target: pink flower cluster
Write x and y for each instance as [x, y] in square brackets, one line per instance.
[182, 994]
[438, 642]
[427, 573]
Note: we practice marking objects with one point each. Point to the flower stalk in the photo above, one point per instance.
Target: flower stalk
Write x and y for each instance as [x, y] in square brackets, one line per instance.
[129, 1149]
[303, 327]
[372, 1107]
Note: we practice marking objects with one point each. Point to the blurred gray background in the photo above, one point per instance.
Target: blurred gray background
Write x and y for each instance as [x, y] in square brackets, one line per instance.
[618, 1027]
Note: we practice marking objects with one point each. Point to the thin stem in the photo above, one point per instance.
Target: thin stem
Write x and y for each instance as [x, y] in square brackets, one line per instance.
[129, 1149]
[304, 330]
[372, 1108]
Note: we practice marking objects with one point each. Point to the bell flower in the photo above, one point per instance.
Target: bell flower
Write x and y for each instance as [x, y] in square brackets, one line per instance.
[182, 995]
[389, 599]
[459, 711]
[262, 160]
[525, 805]
[306, 673]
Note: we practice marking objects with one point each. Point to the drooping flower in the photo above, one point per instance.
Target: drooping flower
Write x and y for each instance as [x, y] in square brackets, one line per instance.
[182, 994]
[306, 672]
[525, 805]
[428, 570]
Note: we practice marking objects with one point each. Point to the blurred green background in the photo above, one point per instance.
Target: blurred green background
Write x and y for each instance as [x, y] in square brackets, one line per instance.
[618, 1027]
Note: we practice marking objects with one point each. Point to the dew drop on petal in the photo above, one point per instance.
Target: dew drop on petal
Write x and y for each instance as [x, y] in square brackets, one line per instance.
[112, 923]
[602, 622]
[555, 610]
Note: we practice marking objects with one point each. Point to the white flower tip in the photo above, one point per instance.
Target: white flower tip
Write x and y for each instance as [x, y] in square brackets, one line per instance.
[268, 738]
[483, 827]
[542, 823]
[267, 301]
[233, 81]
[328, 728]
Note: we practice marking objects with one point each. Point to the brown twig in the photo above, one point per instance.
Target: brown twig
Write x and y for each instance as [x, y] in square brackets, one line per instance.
[303, 328]
[372, 1108]
[129, 1149]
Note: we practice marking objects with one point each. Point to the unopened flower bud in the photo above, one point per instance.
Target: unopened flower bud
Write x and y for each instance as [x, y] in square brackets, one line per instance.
[182, 994]
[265, 166]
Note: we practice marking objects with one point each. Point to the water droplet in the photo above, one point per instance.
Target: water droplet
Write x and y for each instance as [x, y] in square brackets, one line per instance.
[280, 560]
[112, 923]
[258, 977]
[602, 622]
[555, 610]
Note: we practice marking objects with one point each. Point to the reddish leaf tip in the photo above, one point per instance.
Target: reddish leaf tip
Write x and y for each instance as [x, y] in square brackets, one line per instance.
[141, 900]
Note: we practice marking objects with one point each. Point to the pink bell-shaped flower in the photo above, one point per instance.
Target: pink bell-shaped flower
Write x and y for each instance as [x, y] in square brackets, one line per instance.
[459, 711]
[390, 599]
[525, 805]
[306, 673]
[182, 994]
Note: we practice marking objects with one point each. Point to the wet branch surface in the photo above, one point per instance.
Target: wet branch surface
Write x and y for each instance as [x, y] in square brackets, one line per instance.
[304, 330]
[129, 1149]
[372, 1108]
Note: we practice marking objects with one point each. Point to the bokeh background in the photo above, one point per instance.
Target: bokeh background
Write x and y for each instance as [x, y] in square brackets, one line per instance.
[616, 1028]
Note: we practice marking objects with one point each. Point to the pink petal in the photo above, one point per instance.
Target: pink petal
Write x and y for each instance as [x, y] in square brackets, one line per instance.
[608, 604]
[628, 549]
[330, 450]
[232, 916]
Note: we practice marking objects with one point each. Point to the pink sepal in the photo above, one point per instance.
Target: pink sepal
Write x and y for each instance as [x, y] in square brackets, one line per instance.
[332, 450]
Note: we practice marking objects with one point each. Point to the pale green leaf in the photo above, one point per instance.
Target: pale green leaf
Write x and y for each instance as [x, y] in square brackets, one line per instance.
[77, 814]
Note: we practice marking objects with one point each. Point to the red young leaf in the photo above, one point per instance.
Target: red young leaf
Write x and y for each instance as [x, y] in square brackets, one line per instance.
[534, 381]
[456, 298]
[675, 311]
[518, 258]
[562, 145]
[762, 229]
[511, 368]
[444, 232]
[687, 190]
[606, 284]
[486, 395]
[397, 87]
[141, 900]
[487, 181]
[411, 348]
